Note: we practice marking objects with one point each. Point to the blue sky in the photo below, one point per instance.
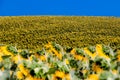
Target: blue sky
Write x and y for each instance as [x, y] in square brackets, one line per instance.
[60, 7]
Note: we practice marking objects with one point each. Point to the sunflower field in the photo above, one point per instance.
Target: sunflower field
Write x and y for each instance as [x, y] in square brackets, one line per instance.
[53, 62]
[33, 32]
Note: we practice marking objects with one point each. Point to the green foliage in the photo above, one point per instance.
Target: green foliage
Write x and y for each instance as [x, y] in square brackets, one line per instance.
[103, 63]
[73, 63]
[106, 75]
[6, 56]
[79, 52]
[51, 71]
[56, 46]
[92, 48]
[41, 52]
[25, 53]
[12, 49]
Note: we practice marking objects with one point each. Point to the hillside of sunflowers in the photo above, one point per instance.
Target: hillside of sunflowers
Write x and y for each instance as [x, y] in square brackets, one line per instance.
[33, 32]
[99, 62]
[59, 48]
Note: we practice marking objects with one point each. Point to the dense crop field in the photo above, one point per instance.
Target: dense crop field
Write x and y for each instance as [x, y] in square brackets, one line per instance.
[99, 62]
[33, 32]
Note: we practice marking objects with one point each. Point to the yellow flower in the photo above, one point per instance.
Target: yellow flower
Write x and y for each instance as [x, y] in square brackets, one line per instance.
[78, 57]
[84, 71]
[96, 68]
[59, 55]
[43, 58]
[85, 59]
[54, 77]
[48, 45]
[5, 52]
[19, 50]
[52, 50]
[118, 55]
[100, 52]
[38, 79]
[31, 57]
[11, 72]
[20, 66]
[29, 77]
[66, 61]
[20, 75]
[67, 76]
[1, 58]
[59, 74]
[1, 53]
[36, 55]
[114, 71]
[15, 59]
[90, 53]
[73, 51]
[93, 77]
[23, 70]
[2, 68]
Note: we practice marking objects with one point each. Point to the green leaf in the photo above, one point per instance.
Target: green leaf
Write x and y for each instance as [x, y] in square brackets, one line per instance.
[25, 53]
[1, 65]
[51, 70]
[106, 49]
[12, 49]
[56, 46]
[34, 59]
[41, 52]
[73, 63]
[7, 64]
[6, 56]
[79, 51]
[33, 65]
[68, 49]
[92, 49]
[32, 72]
[13, 67]
[105, 75]
[37, 70]
[102, 63]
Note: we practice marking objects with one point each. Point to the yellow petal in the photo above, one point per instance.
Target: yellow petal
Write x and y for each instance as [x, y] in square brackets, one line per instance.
[90, 53]
[100, 52]
[93, 77]
[59, 74]
[66, 61]
[20, 75]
